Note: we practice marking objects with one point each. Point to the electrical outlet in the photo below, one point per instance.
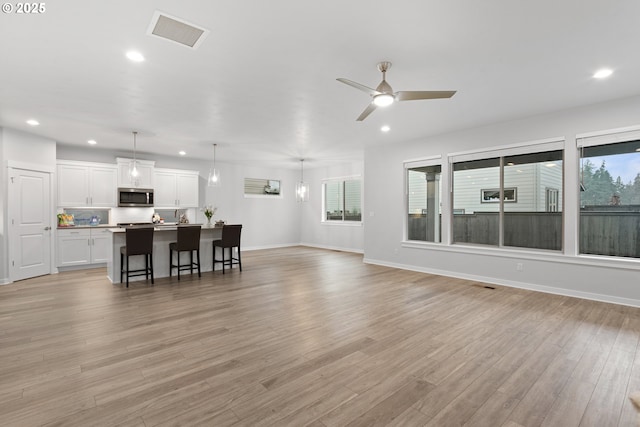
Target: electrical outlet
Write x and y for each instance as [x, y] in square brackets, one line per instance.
[519, 266]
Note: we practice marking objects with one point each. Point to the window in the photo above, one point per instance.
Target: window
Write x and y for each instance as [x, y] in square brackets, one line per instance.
[342, 200]
[423, 203]
[610, 199]
[520, 204]
[254, 187]
[478, 222]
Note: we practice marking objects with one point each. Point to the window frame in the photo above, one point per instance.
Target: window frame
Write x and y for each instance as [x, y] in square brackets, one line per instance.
[341, 180]
[599, 139]
[436, 160]
[532, 147]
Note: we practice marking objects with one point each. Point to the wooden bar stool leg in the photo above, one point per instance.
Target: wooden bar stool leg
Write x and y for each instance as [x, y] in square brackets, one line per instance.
[151, 263]
[198, 259]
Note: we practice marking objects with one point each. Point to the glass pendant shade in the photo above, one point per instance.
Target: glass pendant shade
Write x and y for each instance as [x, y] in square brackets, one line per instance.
[302, 188]
[214, 174]
[134, 173]
[302, 192]
[214, 178]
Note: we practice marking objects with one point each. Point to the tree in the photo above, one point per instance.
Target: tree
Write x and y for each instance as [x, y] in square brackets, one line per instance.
[598, 183]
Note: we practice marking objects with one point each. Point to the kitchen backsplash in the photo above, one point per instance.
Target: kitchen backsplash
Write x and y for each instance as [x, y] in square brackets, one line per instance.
[114, 216]
[84, 216]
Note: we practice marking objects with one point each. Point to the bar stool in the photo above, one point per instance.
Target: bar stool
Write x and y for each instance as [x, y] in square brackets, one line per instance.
[138, 241]
[188, 240]
[230, 239]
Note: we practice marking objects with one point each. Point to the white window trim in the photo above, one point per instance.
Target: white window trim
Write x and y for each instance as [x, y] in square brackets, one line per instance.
[542, 145]
[416, 163]
[610, 136]
[325, 221]
[548, 144]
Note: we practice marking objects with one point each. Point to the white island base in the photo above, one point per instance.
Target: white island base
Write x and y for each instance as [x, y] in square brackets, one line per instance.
[162, 236]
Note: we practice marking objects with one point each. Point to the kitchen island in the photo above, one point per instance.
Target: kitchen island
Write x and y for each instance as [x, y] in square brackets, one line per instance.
[163, 235]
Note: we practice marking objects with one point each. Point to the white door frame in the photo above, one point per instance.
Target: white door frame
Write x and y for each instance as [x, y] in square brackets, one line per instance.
[33, 167]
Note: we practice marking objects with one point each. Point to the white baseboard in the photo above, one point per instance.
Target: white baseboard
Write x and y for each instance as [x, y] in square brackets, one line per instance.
[259, 248]
[511, 283]
[5, 281]
[81, 267]
[332, 248]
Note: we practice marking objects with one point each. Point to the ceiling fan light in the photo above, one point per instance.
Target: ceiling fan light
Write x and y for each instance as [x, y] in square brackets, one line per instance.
[383, 99]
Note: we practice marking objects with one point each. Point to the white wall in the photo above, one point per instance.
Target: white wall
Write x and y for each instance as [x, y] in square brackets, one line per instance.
[325, 235]
[567, 273]
[27, 149]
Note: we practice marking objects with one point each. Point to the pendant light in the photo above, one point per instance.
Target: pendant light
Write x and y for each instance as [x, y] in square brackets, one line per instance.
[214, 174]
[134, 174]
[302, 188]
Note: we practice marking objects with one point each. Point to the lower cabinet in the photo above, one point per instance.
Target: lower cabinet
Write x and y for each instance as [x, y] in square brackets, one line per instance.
[82, 246]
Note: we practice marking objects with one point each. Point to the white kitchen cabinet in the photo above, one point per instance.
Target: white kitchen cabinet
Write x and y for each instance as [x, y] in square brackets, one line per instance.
[82, 184]
[99, 245]
[74, 247]
[145, 171]
[82, 246]
[175, 188]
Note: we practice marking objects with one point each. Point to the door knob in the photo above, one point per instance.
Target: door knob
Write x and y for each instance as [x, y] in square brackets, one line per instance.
[47, 228]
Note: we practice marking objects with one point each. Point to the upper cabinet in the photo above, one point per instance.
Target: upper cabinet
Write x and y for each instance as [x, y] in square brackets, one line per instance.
[175, 188]
[145, 173]
[83, 184]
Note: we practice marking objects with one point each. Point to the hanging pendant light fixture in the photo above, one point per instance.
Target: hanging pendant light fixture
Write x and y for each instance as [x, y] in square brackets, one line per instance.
[134, 173]
[302, 188]
[214, 174]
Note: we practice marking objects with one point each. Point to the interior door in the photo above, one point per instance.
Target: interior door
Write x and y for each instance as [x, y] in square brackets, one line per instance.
[29, 224]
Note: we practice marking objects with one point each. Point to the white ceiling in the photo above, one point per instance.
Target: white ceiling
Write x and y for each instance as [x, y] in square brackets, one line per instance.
[263, 84]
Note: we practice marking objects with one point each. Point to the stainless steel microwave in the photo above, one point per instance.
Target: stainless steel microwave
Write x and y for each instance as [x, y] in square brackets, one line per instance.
[135, 197]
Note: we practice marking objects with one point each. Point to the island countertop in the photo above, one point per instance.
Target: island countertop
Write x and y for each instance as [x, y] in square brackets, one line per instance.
[167, 227]
[163, 235]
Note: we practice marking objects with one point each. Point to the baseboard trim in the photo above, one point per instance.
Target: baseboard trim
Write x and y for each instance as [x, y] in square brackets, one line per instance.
[80, 267]
[5, 281]
[332, 248]
[259, 248]
[510, 283]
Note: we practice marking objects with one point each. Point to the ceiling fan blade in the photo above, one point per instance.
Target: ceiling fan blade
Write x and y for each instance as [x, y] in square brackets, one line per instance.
[366, 112]
[412, 95]
[363, 88]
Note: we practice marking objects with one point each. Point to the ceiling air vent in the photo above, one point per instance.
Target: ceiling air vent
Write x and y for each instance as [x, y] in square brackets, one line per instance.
[176, 30]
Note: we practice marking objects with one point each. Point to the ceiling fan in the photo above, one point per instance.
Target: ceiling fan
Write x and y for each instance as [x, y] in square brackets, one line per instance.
[383, 95]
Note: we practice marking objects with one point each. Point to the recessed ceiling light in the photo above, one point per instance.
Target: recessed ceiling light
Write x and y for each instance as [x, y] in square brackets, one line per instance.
[33, 122]
[182, 153]
[135, 56]
[603, 73]
[92, 142]
[385, 128]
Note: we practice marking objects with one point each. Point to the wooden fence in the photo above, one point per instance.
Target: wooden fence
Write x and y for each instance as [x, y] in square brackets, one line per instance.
[614, 232]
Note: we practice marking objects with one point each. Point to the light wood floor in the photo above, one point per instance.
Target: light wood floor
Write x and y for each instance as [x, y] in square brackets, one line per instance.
[310, 337]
